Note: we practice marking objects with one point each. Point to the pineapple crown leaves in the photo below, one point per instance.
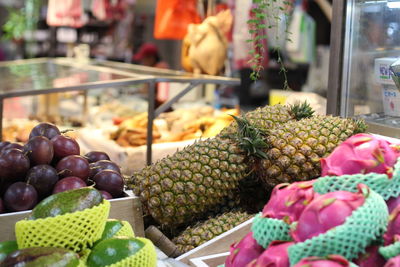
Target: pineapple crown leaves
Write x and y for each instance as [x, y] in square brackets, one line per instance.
[250, 138]
[361, 126]
[301, 110]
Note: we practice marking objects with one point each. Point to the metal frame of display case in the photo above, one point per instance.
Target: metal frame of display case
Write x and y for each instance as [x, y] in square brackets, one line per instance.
[134, 74]
[336, 57]
[337, 62]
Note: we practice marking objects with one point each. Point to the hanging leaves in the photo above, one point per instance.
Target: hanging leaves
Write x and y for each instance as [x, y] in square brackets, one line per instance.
[265, 15]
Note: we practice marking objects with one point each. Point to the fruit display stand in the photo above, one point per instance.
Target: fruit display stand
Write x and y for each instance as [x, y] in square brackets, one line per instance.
[54, 75]
[127, 208]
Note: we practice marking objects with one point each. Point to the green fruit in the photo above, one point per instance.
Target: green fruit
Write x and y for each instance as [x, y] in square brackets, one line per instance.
[67, 202]
[40, 256]
[113, 250]
[6, 248]
[112, 227]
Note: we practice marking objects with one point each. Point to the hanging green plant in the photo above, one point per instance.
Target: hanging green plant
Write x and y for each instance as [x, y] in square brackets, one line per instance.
[15, 26]
[266, 15]
[21, 20]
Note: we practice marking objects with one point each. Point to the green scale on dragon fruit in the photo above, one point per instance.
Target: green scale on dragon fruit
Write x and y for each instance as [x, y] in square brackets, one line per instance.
[243, 252]
[347, 224]
[275, 255]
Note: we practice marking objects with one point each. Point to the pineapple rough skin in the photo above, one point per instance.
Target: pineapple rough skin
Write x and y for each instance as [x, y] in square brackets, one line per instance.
[296, 148]
[266, 118]
[204, 231]
[178, 188]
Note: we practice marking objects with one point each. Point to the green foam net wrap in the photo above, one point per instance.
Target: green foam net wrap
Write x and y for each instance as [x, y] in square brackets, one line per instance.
[390, 251]
[266, 230]
[366, 224]
[380, 183]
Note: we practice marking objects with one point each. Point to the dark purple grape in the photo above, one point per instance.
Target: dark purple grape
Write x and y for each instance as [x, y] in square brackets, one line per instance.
[44, 129]
[110, 181]
[105, 194]
[42, 178]
[68, 183]
[73, 166]
[101, 165]
[2, 209]
[64, 146]
[3, 187]
[11, 146]
[94, 156]
[4, 144]
[20, 196]
[14, 165]
[39, 150]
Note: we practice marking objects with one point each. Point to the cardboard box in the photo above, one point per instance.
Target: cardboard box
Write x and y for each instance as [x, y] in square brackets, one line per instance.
[390, 93]
[127, 208]
[210, 260]
[391, 100]
[217, 245]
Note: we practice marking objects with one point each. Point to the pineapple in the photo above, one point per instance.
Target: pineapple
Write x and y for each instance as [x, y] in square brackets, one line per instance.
[268, 117]
[204, 231]
[295, 148]
[180, 188]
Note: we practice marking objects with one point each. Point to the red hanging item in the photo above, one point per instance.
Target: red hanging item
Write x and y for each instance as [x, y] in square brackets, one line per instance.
[173, 18]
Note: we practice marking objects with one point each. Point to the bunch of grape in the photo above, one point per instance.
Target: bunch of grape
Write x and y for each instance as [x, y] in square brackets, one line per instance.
[51, 163]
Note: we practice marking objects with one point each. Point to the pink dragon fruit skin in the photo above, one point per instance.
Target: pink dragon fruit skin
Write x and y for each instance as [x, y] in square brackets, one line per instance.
[392, 203]
[329, 261]
[288, 201]
[276, 255]
[243, 252]
[361, 153]
[393, 230]
[371, 258]
[326, 212]
[393, 262]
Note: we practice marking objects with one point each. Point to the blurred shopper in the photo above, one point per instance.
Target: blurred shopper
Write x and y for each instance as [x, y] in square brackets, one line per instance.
[148, 55]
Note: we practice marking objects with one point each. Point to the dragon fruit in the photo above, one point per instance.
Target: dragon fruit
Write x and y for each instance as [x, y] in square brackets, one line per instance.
[393, 230]
[288, 201]
[326, 212]
[392, 203]
[275, 255]
[393, 262]
[371, 258]
[329, 261]
[361, 153]
[243, 252]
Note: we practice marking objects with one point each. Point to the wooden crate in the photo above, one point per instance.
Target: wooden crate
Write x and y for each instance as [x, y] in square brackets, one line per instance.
[219, 244]
[127, 208]
[210, 260]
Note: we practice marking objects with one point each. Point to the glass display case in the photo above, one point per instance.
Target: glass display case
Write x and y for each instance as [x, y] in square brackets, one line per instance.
[54, 75]
[365, 41]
